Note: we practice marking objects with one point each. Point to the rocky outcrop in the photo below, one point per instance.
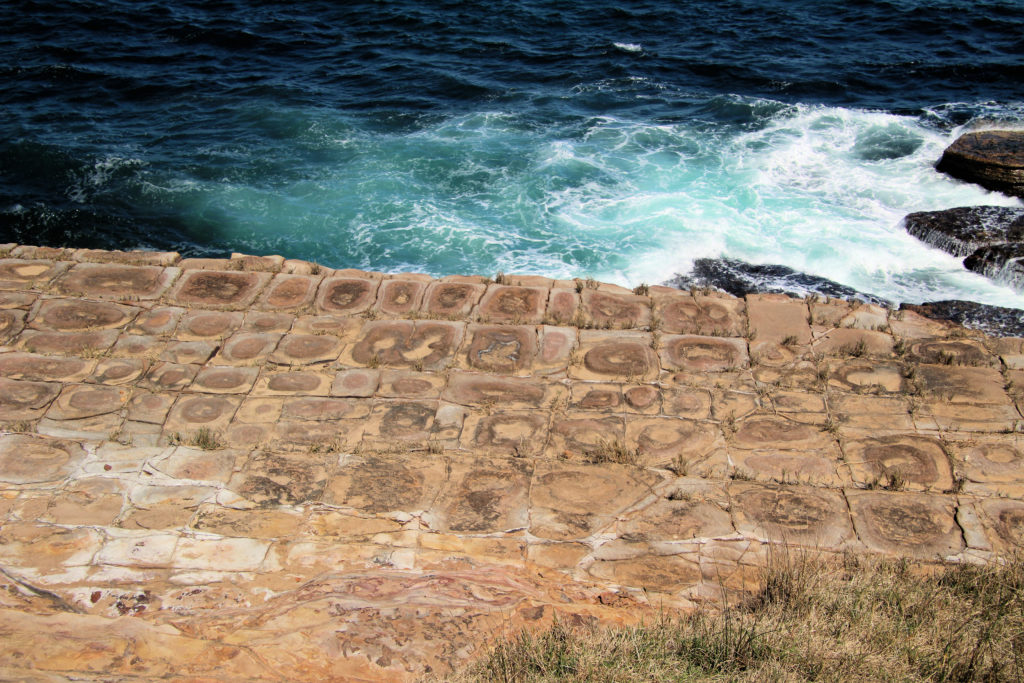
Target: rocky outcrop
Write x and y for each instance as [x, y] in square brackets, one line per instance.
[994, 320]
[990, 237]
[993, 159]
[964, 230]
[740, 278]
[260, 469]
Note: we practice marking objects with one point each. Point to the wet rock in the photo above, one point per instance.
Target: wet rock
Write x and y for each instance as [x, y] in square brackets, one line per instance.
[993, 320]
[993, 159]
[739, 279]
[990, 237]
[963, 230]
[1001, 262]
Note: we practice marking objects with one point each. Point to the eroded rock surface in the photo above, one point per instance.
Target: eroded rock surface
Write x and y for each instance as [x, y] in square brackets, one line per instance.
[254, 469]
[993, 159]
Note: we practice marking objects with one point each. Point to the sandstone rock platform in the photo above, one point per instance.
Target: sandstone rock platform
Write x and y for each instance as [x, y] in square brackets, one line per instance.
[993, 159]
[260, 469]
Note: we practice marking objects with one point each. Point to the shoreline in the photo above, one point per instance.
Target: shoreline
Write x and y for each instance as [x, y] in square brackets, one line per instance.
[236, 467]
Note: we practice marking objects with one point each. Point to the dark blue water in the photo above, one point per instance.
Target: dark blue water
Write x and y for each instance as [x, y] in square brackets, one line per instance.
[620, 140]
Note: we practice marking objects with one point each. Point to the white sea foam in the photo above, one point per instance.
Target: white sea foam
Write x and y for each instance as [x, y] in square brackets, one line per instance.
[629, 47]
[90, 179]
[819, 189]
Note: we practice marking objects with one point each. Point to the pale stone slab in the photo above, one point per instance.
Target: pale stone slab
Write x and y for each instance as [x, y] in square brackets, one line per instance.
[23, 400]
[703, 354]
[197, 352]
[41, 368]
[95, 501]
[776, 317]
[989, 458]
[501, 349]
[247, 348]
[802, 515]
[452, 300]
[868, 376]
[289, 292]
[522, 433]
[484, 497]
[500, 393]
[346, 295]
[220, 554]
[89, 343]
[294, 382]
[157, 321]
[214, 379]
[410, 384]
[306, 349]
[111, 281]
[191, 413]
[917, 462]
[854, 342]
[376, 484]
[809, 467]
[661, 441]
[908, 524]
[218, 289]
[28, 459]
[701, 315]
[259, 524]
[357, 383]
[620, 356]
[515, 305]
[200, 324]
[138, 550]
[572, 501]
[612, 311]
[400, 296]
[554, 353]
[73, 315]
[1005, 519]
[953, 352]
[421, 345]
[964, 385]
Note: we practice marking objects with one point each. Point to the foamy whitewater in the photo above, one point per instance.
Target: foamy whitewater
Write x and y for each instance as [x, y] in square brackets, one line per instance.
[529, 137]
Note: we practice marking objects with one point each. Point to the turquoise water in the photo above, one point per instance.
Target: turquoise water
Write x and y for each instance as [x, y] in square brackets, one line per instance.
[820, 189]
[614, 140]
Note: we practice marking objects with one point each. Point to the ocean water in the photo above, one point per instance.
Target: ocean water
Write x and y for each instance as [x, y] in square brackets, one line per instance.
[618, 140]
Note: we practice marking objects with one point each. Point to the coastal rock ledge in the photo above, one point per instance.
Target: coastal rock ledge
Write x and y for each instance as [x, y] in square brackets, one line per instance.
[993, 159]
[261, 469]
[989, 238]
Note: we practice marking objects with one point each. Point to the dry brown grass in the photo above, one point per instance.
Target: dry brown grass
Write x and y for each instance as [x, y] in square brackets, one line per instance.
[613, 451]
[856, 620]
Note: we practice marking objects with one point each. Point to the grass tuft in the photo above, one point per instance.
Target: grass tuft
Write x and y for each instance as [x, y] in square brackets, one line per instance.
[206, 439]
[613, 451]
[851, 620]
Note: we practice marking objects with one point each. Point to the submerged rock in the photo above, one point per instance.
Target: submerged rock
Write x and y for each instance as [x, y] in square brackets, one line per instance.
[740, 278]
[993, 159]
[990, 237]
[992, 320]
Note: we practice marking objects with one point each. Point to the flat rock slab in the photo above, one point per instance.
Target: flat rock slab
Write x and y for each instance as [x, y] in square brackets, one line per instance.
[993, 159]
[219, 289]
[234, 468]
[109, 281]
